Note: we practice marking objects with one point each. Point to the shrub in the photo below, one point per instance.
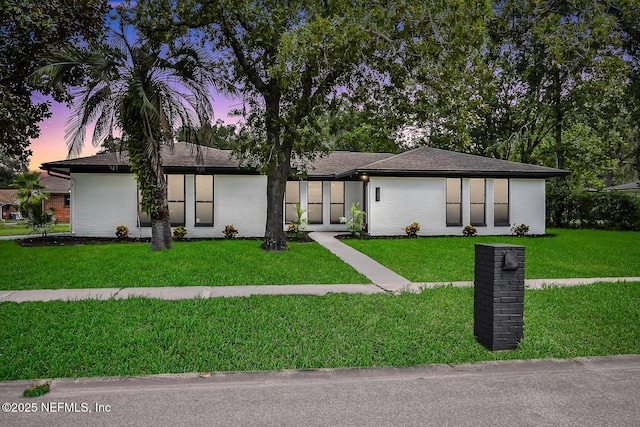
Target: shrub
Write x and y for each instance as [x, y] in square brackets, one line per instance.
[608, 210]
[122, 231]
[297, 226]
[229, 231]
[469, 231]
[355, 220]
[520, 230]
[412, 229]
[179, 232]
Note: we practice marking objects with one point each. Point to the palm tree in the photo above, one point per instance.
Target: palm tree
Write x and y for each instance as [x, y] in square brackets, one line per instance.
[147, 92]
[30, 197]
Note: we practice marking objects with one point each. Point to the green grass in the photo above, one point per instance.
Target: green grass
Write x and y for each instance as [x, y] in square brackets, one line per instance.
[149, 336]
[204, 263]
[570, 253]
[21, 228]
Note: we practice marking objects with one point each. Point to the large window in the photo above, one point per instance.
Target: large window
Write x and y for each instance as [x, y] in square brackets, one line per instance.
[501, 202]
[477, 201]
[337, 201]
[315, 202]
[454, 201]
[204, 200]
[291, 197]
[175, 197]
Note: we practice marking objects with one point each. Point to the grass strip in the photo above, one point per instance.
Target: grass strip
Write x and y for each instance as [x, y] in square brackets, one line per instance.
[204, 263]
[147, 336]
[23, 229]
[566, 254]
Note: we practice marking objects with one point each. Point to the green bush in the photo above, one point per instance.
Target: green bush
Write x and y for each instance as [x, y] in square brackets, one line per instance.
[469, 231]
[179, 232]
[229, 231]
[608, 210]
[412, 229]
[355, 220]
[520, 230]
[122, 231]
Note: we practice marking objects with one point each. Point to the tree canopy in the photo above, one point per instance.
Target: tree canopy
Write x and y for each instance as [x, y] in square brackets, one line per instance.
[29, 30]
[292, 61]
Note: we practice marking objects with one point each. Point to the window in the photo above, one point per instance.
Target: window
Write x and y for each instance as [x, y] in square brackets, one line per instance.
[291, 197]
[501, 202]
[204, 200]
[145, 218]
[477, 201]
[315, 202]
[454, 201]
[175, 197]
[67, 201]
[337, 201]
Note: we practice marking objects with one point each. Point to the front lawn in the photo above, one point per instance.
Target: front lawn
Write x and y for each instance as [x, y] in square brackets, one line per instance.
[21, 228]
[149, 336]
[562, 254]
[203, 263]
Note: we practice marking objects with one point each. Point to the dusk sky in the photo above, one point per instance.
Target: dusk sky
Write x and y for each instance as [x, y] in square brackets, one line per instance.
[51, 145]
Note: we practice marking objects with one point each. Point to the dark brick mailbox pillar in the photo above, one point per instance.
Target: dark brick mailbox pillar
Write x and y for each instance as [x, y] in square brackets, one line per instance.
[499, 296]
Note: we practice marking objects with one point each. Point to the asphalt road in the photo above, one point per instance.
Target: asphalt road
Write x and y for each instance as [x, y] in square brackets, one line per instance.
[580, 392]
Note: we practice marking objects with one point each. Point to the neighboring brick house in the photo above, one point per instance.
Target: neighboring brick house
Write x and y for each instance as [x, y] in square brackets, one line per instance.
[6, 202]
[59, 197]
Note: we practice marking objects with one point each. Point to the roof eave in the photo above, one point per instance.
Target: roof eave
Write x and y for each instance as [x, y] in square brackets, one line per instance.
[463, 174]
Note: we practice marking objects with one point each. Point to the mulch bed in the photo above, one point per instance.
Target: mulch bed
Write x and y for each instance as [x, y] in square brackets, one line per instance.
[74, 241]
[80, 241]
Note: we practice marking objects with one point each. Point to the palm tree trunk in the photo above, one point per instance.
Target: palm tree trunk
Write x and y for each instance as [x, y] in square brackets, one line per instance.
[160, 220]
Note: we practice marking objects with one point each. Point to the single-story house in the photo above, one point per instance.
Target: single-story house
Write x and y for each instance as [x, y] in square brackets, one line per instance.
[441, 190]
[630, 188]
[58, 188]
[59, 199]
[7, 201]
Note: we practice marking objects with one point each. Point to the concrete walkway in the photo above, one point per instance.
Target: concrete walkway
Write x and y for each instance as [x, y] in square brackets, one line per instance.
[191, 292]
[384, 281]
[373, 270]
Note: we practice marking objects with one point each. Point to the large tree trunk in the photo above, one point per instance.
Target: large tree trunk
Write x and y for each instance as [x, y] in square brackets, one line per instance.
[275, 238]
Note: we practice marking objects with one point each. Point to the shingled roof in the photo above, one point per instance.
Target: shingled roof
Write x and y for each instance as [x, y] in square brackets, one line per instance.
[181, 157]
[424, 161]
[427, 161]
[341, 163]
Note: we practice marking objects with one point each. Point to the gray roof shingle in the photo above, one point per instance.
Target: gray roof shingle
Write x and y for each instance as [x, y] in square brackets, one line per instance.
[433, 161]
[424, 161]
